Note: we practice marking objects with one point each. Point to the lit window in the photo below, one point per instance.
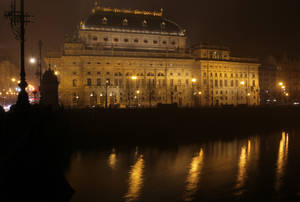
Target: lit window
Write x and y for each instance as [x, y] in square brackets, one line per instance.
[144, 23]
[125, 22]
[104, 20]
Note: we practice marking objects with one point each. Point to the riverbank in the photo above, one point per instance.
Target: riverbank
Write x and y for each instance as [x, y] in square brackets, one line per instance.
[145, 126]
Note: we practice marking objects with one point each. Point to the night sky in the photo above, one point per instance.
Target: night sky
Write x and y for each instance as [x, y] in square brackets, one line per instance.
[250, 27]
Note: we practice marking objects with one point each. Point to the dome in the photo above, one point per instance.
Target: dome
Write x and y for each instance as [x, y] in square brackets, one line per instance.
[131, 20]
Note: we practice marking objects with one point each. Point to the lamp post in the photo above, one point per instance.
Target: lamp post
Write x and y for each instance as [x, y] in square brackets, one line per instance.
[194, 80]
[133, 78]
[242, 83]
[18, 19]
[106, 86]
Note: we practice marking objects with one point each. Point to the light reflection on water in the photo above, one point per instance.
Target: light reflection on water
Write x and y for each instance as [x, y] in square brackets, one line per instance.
[201, 172]
[282, 158]
[135, 180]
[193, 177]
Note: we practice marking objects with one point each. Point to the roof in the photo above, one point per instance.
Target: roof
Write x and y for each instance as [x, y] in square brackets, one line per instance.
[133, 20]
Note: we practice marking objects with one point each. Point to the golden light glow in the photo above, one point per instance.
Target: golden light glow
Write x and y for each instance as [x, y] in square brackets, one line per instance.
[135, 180]
[200, 93]
[56, 73]
[283, 87]
[280, 83]
[282, 158]
[248, 94]
[193, 177]
[19, 81]
[13, 80]
[137, 92]
[241, 177]
[32, 60]
[287, 94]
[194, 80]
[242, 82]
[112, 160]
[128, 11]
[134, 78]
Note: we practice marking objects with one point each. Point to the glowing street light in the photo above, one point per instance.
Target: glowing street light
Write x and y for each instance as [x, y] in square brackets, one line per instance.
[248, 94]
[32, 60]
[242, 83]
[199, 93]
[194, 80]
[280, 83]
[137, 92]
[134, 78]
[287, 94]
[13, 80]
[56, 73]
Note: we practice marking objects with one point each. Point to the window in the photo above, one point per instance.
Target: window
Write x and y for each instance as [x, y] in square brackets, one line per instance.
[187, 82]
[144, 23]
[74, 63]
[253, 83]
[155, 42]
[163, 25]
[173, 43]
[231, 83]
[145, 41]
[126, 40]
[225, 83]
[74, 82]
[125, 22]
[171, 82]
[74, 73]
[89, 82]
[95, 38]
[98, 73]
[116, 39]
[221, 83]
[205, 82]
[164, 42]
[104, 20]
[136, 40]
[98, 82]
[107, 73]
[216, 83]
[89, 73]
[105, 39]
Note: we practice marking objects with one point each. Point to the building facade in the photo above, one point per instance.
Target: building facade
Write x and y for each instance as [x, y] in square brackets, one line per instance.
[132, 57]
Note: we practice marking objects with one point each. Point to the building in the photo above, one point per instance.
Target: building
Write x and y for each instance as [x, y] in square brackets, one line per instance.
[133, 57]
[269, 88]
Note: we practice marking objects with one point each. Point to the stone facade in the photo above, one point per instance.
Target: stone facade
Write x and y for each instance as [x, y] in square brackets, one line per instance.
[113, 62]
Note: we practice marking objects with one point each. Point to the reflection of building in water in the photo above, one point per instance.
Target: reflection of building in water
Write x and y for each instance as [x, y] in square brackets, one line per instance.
[193, 177]
[282, 158]
[135, 180]
[112, 160]
[242, 166]
[133, 57]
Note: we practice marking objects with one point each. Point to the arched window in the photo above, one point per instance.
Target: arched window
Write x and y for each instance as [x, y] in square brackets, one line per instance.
[125, 22]
[120, 74]
[104, 20]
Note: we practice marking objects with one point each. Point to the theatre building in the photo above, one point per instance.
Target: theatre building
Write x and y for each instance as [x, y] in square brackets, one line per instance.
[133, 57]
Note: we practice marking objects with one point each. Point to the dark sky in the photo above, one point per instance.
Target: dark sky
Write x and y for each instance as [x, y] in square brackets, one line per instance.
[249, 27]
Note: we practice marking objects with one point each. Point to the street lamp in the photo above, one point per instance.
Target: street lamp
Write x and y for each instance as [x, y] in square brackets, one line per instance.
[32, 60]
[194, 80]
[242, 83]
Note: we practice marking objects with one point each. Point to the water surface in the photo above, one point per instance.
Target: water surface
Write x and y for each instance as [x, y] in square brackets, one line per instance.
[260, 167]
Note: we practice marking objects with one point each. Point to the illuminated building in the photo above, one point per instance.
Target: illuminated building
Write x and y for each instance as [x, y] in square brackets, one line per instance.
[133, 57]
